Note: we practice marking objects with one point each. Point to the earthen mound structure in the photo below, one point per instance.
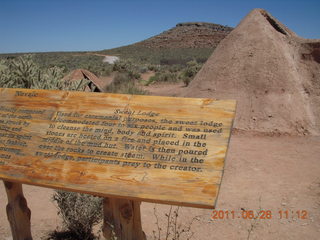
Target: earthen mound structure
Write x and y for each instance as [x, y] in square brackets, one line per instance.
[95, 83]
[272, 73]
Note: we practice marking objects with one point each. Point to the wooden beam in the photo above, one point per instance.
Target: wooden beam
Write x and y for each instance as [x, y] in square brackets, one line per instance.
[18, 212]
[122, 219]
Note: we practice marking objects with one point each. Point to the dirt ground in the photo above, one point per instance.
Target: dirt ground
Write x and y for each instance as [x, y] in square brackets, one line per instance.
[261, 173]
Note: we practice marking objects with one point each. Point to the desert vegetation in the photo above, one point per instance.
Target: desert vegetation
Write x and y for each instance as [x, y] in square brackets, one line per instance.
[80, 212]
[172, 56]
[44, 68]
[123, 82]
[67, 61]
[24, 72]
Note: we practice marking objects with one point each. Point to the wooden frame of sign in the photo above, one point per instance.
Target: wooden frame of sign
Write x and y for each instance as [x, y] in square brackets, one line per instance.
[125, 148]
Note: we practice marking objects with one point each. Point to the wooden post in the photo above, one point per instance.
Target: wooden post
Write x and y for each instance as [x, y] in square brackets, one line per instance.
[122, 219]
[18, 212]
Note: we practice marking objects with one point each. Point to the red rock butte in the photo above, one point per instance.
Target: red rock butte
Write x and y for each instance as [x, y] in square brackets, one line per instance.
[272, 73]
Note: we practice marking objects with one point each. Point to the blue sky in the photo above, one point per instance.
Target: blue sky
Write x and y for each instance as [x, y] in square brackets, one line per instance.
[70, 25]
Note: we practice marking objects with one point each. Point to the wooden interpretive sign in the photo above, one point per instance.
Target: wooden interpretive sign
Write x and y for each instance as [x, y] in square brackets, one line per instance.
[145, 148]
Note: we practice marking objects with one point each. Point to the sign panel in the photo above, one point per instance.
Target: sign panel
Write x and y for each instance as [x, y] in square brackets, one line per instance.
[158, 149]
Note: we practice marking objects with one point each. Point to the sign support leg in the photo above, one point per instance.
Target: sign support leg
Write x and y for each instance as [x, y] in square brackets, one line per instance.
[18, 212]
[122, 218]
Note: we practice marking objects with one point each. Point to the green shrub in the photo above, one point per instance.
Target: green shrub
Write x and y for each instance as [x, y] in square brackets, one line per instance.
[151, 80]
[79, 212]
[126, 66]
[154, 68]
[190, 71]
[175, 68]
[168, 77]
[163, 77]
[143, 69]
[131, 88]
[124, 83]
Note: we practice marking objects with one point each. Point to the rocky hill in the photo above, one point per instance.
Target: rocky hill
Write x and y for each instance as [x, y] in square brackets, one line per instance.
[189, 35]
[178, 45]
